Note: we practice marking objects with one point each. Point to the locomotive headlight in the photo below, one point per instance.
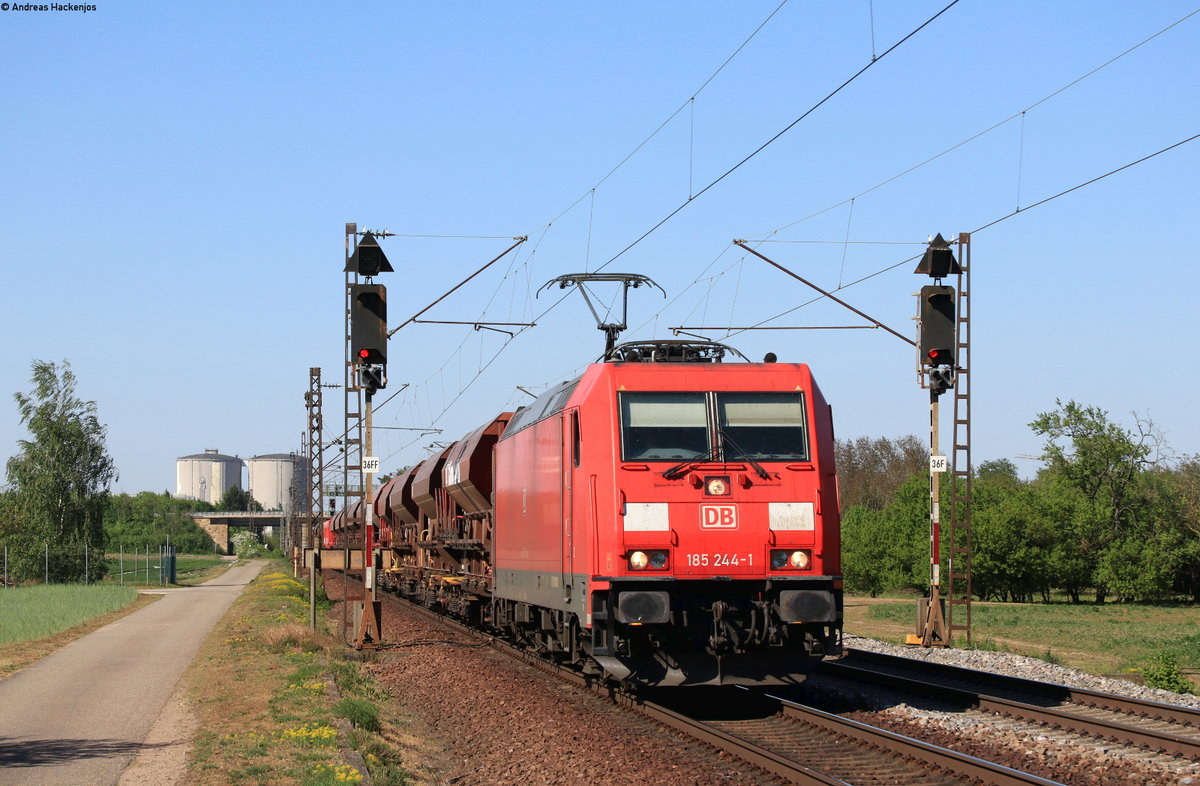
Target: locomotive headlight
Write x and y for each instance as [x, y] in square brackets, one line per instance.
[655, 559]
[716, 486]
[787, 559]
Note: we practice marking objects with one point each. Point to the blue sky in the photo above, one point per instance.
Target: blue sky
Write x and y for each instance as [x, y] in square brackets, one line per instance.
[177, 178]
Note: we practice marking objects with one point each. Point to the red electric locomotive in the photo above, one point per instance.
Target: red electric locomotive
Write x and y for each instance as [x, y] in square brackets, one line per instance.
[666, 518]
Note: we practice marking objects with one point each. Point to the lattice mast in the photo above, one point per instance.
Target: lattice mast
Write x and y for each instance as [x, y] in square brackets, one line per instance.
[960, 540]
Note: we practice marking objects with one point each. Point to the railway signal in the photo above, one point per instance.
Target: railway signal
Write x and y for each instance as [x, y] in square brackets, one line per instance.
[368, 259]
[938, 260]
[937, 326]
[371, 378]
[368, 324]
[940, 380]
[936, 369]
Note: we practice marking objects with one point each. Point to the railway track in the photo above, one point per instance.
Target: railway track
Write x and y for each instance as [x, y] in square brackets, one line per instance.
[805, 745]
[794, 742]
[1154, 726]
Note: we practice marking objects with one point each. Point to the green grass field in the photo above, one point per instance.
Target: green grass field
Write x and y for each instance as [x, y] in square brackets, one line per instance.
[190, 569]
[1108, 639]
[29, 613]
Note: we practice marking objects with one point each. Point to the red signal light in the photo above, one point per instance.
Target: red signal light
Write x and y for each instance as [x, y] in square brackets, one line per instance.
[939, 357]
[365, 353]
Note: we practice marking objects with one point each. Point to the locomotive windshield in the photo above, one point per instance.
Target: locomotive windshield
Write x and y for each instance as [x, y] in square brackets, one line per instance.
[762, 426]
[663, 426]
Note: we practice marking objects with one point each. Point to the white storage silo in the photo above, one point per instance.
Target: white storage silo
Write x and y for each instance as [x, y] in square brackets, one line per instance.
[206, 476]
[276, 479]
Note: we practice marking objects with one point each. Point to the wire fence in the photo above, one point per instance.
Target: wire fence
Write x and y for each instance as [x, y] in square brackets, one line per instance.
[144, 564]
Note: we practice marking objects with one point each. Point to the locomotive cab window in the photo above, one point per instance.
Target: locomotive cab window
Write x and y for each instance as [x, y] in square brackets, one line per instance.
[762, 426]
[663, 426]
[726, 426]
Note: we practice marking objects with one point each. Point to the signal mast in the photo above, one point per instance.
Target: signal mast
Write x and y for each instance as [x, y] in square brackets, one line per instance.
[937, 372]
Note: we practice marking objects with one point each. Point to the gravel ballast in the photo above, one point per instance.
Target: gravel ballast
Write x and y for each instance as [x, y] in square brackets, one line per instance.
[1025, 667]
[485, 718]
[1053, 754]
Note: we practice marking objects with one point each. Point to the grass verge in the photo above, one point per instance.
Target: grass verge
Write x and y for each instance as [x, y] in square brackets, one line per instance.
[1126, 639]
[39, 619]
[41, 610]
[269, 692]
[16, 655]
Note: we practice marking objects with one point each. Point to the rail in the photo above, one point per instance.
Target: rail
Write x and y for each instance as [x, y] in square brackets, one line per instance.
[793, 726]
[1037, 702]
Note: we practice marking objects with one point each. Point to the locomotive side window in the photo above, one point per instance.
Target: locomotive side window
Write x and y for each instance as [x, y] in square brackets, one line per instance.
[576, 437]
[549, 403]
[765, 426]
[663, 426]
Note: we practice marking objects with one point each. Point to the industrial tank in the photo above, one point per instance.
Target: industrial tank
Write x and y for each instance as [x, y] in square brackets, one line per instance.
[206, 476]
[276, 479]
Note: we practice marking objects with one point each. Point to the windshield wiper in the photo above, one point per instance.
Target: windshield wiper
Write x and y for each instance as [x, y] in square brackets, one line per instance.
[684, 466]
[758, 468]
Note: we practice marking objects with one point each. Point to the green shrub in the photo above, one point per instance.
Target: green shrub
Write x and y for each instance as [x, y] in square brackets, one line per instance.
[1163, 673]
[362, 714]
[1050, 657]
[246, 545]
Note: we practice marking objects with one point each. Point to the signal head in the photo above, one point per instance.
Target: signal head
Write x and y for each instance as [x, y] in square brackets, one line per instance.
[368, 323]
[938, 326]
[940, 357]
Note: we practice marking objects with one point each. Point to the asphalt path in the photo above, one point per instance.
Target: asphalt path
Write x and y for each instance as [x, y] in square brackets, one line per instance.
[80, 715]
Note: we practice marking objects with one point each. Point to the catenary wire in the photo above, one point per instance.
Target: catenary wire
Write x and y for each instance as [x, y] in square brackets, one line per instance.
[988, 225]
[975, 136]
[670, 117]
[755, 152]
[785, 129]
[611, 172]
[728, 172]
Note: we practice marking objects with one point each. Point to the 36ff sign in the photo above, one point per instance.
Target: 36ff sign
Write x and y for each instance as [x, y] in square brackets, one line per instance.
[718, 517]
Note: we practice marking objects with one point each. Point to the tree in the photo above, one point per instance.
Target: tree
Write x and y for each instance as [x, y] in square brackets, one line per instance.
[59, 481]
[866, 551]
[870, 471]
[888, 549]
[235, 498]
[1011, 541]
[1100, 461]
[149, 518]
[1186, 481]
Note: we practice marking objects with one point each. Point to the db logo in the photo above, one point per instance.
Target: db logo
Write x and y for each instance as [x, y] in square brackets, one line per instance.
[718, 517]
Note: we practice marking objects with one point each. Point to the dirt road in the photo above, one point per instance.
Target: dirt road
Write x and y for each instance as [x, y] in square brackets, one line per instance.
[79, 716]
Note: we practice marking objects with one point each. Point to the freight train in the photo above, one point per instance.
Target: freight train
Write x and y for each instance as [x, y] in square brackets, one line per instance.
[667, 518]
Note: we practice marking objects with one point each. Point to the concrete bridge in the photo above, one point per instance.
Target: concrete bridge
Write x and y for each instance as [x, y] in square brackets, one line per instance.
[218, 523]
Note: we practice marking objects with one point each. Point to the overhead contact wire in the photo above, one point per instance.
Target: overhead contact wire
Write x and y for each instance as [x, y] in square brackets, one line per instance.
[975, 136]
[786, 128]
[1088, 183]
[630, 155]
[673, 115]
[988, 225]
